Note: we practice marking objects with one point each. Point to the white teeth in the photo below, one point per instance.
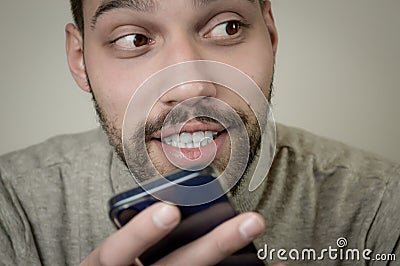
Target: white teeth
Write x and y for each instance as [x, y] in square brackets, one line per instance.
[209, 134]
[182, 145]
[186, 138]
[198, 136]
[190, 140]
[190, 145]
[204, 142]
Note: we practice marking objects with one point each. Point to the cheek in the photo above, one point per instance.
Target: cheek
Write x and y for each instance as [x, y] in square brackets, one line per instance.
[258, 61]
[113, 84]
[260, 68]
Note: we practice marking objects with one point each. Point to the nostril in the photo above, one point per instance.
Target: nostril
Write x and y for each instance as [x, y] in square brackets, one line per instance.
[188, 102]
[171, 103]
[188, 91]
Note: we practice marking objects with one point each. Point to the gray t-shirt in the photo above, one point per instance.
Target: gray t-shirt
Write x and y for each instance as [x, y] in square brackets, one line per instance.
[53, 201]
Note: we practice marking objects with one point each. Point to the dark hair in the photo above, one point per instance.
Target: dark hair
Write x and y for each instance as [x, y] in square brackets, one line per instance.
[77, 12]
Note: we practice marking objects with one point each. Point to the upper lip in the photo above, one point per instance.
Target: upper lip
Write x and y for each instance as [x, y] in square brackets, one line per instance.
[189, 127]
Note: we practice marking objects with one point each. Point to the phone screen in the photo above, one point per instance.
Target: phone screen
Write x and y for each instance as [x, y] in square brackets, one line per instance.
[196, 220]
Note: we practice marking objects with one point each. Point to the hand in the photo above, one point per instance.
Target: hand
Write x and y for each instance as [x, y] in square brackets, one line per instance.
[154, 223]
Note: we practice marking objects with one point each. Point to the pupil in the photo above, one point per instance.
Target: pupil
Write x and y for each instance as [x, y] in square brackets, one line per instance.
[140, 40]
[232, 27]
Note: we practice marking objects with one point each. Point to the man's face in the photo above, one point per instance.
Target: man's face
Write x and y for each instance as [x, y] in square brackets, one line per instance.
[127, 41]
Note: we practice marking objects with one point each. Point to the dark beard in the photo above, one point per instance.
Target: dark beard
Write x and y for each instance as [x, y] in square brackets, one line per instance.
[113, 133]
[142, 170]
[138, 162]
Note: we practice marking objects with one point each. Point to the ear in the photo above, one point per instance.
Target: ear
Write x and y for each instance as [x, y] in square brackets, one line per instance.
[76, 63]
[270, 22]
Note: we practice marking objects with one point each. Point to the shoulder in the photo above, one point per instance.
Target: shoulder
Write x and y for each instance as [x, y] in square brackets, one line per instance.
[324, 154]
[42, 186]
[63, 149]
[330, 189]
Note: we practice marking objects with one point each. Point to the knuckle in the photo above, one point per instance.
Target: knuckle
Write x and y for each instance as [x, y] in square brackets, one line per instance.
[104, 262]
[224, 247]
[103, 257]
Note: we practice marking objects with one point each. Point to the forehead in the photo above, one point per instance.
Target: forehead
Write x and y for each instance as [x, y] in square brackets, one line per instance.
[93, 9]
[95, 6]
[145, 3]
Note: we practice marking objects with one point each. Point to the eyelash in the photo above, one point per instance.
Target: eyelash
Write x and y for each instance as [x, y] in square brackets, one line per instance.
[242, 24]
[113, 42]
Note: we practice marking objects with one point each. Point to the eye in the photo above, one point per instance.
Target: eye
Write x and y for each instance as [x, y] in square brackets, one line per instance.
[133, 41]
[225, 29]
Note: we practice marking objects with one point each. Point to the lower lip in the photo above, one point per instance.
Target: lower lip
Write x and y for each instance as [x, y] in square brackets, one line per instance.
[187, 157]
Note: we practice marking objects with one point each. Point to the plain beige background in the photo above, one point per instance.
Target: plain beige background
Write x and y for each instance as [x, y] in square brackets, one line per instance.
[337, 74]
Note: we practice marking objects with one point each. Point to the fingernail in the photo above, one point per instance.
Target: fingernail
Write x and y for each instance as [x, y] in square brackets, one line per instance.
[251, 228]
[165, 216]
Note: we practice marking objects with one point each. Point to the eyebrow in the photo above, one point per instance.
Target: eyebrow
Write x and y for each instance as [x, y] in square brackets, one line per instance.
[138, 5]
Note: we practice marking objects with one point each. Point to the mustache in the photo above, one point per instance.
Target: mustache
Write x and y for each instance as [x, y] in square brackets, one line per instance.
[184, 114]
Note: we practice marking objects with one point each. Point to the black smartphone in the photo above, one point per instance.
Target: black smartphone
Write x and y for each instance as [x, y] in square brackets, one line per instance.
[196, 220]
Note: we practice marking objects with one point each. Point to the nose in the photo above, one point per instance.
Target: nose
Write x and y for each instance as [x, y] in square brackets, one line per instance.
[188, 91]
[183, 48]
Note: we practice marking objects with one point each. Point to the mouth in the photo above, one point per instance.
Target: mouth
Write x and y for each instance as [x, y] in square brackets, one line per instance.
[191, 135]
[189, 140]
[193, 143]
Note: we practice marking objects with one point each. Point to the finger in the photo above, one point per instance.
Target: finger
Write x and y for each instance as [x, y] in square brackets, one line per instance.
[144, 230]
[219, 243]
